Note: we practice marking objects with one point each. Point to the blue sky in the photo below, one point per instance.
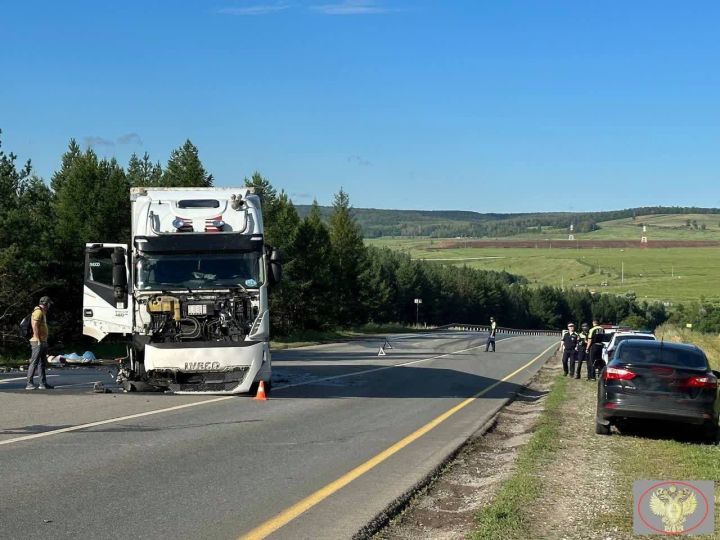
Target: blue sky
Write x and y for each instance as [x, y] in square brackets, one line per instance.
[504, 106]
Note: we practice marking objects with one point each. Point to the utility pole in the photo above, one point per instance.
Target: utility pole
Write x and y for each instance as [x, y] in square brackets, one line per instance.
[418, 301]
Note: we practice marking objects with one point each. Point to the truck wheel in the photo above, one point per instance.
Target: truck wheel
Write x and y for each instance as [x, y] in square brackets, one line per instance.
[602, 429]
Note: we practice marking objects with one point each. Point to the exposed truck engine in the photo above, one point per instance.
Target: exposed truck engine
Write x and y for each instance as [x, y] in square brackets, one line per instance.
[189, 294]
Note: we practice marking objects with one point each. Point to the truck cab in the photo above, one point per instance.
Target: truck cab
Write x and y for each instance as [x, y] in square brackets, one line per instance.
[188, 293]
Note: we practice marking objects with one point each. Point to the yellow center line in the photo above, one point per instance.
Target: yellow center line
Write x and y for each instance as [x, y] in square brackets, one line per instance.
[299, 508]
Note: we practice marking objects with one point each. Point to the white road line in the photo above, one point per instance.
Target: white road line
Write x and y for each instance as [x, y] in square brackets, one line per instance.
[219, 399]
[381, 368]
[20, 379]
[111, 420]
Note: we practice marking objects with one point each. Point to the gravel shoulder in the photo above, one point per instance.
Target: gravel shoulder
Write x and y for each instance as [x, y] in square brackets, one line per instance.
[446, 509]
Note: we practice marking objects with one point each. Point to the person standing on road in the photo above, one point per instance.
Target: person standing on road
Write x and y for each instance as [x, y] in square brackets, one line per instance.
[491, 336]
[594, 350]
[581, 345]
[39, 345]
[570, 341]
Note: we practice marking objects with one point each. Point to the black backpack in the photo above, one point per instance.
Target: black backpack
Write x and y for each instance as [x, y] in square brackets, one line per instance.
[26, 330]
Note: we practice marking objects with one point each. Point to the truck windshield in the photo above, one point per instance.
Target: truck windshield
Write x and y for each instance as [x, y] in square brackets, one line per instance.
[198, 271]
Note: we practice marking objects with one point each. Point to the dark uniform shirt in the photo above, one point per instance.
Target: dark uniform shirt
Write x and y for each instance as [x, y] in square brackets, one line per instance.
[594, 335]
[582, 341]
[570, 341]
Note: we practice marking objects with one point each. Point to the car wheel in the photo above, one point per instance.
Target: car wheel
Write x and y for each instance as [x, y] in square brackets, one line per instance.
[602, 429]
[710, 433]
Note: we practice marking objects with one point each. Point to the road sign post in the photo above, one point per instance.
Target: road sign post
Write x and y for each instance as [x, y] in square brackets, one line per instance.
[418, 301]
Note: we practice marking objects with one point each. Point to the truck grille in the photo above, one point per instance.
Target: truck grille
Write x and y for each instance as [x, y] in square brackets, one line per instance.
[221, 381]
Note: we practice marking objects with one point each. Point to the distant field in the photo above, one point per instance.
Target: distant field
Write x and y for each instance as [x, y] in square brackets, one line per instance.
[659, 227]
[670, 275]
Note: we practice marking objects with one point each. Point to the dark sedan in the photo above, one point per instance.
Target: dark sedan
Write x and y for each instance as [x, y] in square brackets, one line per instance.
[658, 381]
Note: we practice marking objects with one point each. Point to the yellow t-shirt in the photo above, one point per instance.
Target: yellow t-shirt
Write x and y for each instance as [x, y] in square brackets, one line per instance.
[39, 316]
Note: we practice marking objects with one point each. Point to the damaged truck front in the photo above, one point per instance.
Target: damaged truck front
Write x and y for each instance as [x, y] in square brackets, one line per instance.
[189, 293]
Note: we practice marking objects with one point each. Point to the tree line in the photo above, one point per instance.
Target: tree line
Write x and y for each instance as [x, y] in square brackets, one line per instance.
[331, 278]
[448, 224]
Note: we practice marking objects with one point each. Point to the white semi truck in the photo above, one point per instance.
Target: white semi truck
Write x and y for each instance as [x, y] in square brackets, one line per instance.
[189, 294]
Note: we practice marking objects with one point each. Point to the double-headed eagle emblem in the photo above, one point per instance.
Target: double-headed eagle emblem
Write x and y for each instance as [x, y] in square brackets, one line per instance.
[674, 506]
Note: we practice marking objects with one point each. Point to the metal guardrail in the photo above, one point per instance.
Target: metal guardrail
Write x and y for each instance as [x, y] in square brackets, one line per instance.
[459, 327]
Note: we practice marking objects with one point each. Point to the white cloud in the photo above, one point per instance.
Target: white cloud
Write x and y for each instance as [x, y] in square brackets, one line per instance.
[259, 9]
[352, 7]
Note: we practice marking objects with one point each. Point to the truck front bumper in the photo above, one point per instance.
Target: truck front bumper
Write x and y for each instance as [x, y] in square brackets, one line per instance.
[208, 367]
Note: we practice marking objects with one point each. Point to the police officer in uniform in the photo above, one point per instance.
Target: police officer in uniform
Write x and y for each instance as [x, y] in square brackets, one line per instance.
[581, 353]
[491, 336]
[570, 341]
[594, 349]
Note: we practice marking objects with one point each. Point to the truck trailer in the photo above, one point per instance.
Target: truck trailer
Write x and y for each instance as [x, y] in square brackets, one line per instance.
[189, 293]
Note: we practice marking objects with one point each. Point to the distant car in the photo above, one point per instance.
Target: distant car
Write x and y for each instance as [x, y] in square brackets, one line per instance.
[656, 380]
[619, 337]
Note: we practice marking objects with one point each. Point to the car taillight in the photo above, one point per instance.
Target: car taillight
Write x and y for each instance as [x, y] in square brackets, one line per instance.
[618, 374]
[702, 381]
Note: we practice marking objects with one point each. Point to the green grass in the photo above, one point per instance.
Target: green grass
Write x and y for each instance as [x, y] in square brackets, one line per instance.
[671, 275]
[506, 516]
[710, 343]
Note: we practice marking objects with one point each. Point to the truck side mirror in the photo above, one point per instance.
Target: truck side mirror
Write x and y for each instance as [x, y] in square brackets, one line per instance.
[119, 273]
[276, 261]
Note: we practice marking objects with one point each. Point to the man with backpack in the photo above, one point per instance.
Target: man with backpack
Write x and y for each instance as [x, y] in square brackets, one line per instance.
[39, 345]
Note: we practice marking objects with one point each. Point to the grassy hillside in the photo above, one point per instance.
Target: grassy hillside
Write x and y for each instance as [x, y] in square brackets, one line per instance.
[669, 275]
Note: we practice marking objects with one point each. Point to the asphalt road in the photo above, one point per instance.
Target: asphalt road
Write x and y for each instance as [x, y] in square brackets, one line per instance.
[344, 433]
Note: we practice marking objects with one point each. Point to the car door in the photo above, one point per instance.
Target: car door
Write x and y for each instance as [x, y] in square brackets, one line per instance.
[107, 307]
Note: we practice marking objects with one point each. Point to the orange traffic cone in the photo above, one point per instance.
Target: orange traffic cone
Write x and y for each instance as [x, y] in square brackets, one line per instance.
[261, 392]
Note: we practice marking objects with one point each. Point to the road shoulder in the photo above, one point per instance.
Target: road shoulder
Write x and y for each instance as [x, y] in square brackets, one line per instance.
[446, 508]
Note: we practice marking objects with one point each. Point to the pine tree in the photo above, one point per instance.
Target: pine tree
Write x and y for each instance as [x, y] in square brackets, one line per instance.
[310, 273]
[263, 189]
[282, 223]
[26, 228]
[69, 157]
[143, 172]
[184, 168]
[348, 259]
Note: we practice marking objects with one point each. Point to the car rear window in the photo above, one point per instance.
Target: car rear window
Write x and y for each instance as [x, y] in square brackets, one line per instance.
[669, 356]
[623, 338]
